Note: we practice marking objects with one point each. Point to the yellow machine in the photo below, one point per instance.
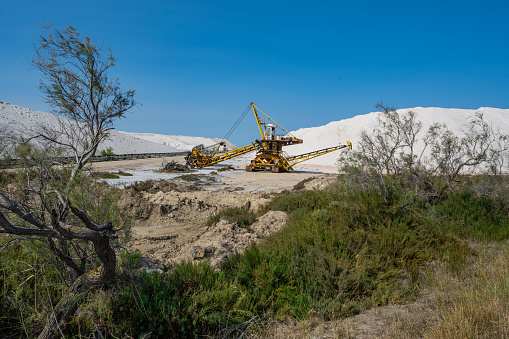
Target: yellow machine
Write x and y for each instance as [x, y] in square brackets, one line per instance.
[269, 156]
[198, 159]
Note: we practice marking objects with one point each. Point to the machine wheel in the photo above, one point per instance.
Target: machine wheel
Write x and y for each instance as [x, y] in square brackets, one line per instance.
[249, 168]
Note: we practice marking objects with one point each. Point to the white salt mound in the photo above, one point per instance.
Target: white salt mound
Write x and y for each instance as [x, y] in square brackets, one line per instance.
[25, 120]
[338, 132]
[180, 142]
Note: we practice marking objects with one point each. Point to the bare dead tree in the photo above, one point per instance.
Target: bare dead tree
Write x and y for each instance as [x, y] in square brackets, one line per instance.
[7, 139]
[48, 200]
[393, 149]
[387, 149]
[481, 149]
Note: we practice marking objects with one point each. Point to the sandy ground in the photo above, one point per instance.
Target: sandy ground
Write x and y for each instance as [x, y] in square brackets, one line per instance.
[171, 215]
[228, 180]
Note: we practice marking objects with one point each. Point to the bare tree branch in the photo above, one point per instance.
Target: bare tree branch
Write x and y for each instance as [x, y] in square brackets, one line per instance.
[393, 148]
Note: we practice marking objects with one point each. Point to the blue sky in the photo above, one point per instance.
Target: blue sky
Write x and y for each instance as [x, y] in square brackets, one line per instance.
[196, 65]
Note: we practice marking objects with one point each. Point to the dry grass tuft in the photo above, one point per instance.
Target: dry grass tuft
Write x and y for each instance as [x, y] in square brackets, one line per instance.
[480, 307]
[471, 303]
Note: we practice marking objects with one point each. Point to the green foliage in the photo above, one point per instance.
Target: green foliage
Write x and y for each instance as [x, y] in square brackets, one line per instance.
[57, 199]
[107, 152]
[468, 216]
[242, 216]
[108, 175]
[393, 154]
[129, 261]
[26, 295]
[32, 278]
[6, 177]
[76, 82]
[125, 174]
[141, 186]
[192, 300]
[102, 203]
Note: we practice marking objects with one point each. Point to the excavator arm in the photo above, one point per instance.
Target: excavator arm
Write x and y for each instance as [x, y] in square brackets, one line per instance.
[197, 159]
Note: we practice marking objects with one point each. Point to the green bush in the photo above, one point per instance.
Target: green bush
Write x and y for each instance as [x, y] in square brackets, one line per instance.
[109, 176]
[191, 300]
[242, 216]
[108, 152]
[468, 216]
[34, 288]
[142, 186]
[125, 174]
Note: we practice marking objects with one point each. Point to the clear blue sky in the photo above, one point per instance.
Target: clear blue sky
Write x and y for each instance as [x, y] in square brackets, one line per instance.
[196, 65]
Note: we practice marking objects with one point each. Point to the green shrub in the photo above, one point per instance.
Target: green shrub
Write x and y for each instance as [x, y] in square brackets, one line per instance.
[6, 177]
[109, 176]
[468, 216]
[108, 152]
[125, 174]
[191, 300]
[141, 186]
[34, 288]
[242, 216]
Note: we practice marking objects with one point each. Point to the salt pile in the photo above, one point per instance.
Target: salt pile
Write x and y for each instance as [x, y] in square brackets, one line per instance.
[338, 132]
[25, 121]
[180, 142]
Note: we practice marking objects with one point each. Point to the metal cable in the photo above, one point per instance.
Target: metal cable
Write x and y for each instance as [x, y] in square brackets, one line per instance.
[236, 124]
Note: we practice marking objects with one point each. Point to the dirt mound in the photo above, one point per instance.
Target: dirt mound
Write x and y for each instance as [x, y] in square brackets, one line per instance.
[270, 222]
[170, 216]
[223, 239]
[171, 224]
[319, 182]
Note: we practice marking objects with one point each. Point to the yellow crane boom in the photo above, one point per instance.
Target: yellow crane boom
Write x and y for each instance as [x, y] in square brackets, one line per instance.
[197, 159]
[310, 155]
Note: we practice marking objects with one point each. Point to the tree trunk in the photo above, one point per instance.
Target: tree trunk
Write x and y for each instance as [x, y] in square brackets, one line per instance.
[70, 301]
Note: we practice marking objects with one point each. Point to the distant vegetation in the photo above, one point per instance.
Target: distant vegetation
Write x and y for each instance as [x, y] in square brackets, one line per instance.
[242, 216]
[111, 175]
[108, 153]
